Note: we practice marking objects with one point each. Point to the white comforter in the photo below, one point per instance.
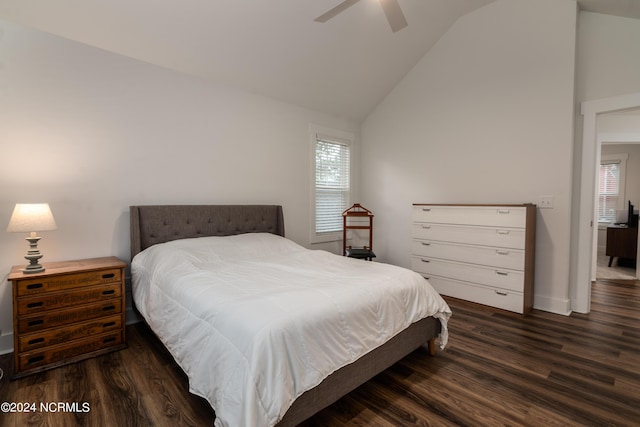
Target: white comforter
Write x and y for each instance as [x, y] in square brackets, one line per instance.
[255, 319]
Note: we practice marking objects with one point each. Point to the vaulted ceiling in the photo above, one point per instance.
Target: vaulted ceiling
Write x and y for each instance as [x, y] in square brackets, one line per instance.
[275, 48]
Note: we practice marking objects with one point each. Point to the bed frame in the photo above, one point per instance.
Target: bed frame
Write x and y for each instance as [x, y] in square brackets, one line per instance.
[157, 224]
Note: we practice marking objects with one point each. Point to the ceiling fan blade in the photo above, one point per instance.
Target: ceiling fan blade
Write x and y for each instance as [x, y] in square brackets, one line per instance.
[336, 10]
[394, 14]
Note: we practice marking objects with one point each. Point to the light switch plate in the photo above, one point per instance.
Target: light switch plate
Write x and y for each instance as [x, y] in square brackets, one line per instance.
[545, 202]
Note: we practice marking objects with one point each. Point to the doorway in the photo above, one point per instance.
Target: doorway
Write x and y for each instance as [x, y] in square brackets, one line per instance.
[586, 230]
[619, 189]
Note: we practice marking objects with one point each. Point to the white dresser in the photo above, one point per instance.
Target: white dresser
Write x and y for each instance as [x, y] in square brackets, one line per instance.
[479, 253]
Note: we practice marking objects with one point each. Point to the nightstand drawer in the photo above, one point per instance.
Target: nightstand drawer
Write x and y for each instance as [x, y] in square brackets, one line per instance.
[57, 300]
[68, 281]
[66, 352]
[49, 337]
[67, 316]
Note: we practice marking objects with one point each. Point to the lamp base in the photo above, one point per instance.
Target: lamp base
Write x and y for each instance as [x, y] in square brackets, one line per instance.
[37, 268]
[33, 255]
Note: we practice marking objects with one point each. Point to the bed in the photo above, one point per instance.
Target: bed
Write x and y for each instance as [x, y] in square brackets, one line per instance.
[283, 373]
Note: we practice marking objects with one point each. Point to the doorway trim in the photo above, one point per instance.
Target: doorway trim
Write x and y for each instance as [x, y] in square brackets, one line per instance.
[587, 225]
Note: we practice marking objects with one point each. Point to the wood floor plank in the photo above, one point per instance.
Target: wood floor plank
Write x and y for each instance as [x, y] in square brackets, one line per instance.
[539, 416]
[368, 418]
[579, 405]
[499, 368]
[484, 408]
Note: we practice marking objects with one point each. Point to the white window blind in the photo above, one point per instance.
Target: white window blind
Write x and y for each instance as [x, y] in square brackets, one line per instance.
[609, 191]
[332, 184]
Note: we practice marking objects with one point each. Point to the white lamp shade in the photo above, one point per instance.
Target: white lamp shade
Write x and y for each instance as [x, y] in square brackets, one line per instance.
[28, 217]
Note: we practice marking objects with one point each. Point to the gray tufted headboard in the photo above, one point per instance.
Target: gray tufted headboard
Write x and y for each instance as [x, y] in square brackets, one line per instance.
[162, 223]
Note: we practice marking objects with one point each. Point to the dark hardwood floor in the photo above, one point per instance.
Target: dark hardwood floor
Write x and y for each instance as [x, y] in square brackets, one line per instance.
[498, 369]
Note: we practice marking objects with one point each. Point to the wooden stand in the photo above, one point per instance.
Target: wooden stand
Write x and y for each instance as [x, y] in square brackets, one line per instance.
[72, 311]
[622, 243]
[362, 216]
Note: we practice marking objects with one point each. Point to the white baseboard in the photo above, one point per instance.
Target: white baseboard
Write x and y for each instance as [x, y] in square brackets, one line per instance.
[552, 305]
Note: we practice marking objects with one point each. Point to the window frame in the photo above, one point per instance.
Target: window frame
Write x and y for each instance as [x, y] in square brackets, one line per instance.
[621, 161]
[316, 133]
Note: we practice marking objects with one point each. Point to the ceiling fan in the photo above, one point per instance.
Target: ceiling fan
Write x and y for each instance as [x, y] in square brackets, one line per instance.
[391, 10]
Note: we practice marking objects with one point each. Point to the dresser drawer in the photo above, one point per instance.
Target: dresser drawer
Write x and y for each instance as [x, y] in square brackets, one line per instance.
[56, 300]
[487, 236]
[512, 259]
[66, 282]
[497, 216]
[29, 342]
[500, 298]
[65, 352]
[512, 280]
[66, 316]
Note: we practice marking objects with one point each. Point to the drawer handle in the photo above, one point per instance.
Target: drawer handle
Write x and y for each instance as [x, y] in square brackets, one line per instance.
[108, 340]
[36, 341]
[34, 286]
[426, 244]
[35, 304]
[35, 359]
[108, 276]
[109, 307]
[107, 324]
[424, 260]
[499, 252]
[503, 294]
[36, 322]
[503, 232]
[502, 273]
[426, 209]
[108, 292]
[504, 211]
[426, 227]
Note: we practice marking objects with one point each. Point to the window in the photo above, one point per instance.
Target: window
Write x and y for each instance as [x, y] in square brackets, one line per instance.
[331, 192]
[611, 188]
[609, 192]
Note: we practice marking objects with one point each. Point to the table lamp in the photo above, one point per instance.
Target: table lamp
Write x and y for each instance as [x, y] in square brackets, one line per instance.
[31, 218]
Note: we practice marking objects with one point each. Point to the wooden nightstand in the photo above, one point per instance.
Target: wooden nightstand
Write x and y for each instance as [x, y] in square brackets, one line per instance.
[72, 311]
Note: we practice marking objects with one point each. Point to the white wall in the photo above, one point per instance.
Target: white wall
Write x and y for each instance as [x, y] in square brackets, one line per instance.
[608, 58]
[91, 133]
[485, 117]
